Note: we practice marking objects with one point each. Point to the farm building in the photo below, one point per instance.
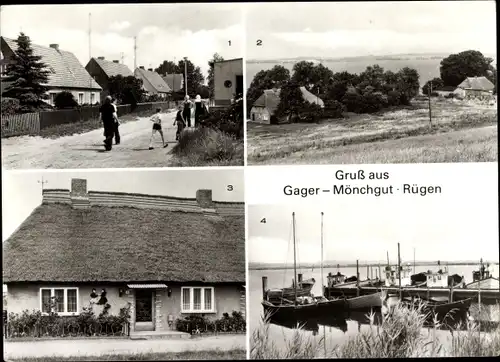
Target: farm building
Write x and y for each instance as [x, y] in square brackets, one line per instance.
[101, 70]
[164, 257]
[265, 106]
[66, 72]
[228, 81]
[152, 82]
[444, 91]
[174, 81]
[474, 87]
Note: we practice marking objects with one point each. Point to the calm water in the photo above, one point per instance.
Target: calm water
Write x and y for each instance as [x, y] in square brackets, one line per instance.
[334, 333]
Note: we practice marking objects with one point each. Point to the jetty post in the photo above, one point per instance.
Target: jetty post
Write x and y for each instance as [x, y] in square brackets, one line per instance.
[264, 287]
[399, 274]
[299, 279]
[367, 271]
[357, 278]
[451, 292]
[379, 272]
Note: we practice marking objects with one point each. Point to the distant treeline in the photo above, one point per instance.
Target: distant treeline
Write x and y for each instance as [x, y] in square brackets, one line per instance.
[361, 265]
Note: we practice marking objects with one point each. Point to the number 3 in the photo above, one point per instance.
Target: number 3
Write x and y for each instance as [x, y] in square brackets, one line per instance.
[229, 187]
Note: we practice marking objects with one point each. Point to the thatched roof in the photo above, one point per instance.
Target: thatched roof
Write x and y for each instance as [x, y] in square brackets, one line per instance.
[270, 99]
[152, 81]
[174, 81]
[66, 71]
[477, 83]
[150, 242]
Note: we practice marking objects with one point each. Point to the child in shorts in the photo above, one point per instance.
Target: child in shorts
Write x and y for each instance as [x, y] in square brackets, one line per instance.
[181, 123]
[156, 119]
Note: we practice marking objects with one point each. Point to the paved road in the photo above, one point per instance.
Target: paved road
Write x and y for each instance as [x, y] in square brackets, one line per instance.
[86, 150]
[97, 347]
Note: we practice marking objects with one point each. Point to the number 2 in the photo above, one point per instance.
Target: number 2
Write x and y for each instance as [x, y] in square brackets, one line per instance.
[259, 42]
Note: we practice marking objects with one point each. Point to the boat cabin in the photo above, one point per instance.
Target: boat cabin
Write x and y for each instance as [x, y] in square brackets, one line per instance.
[334, 279]
[392, 276]
[437, 279]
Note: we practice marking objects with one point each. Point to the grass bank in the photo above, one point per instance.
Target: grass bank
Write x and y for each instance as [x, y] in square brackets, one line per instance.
[207, 147]
[400, 335]
[236, 354]
[460, 132]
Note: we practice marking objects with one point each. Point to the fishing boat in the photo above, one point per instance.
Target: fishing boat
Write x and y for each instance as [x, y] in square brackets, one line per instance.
[440, 308]
[302, 307]
[439, 279]
[304, 288]
[369, 301]
[395, 277]
[483, 278]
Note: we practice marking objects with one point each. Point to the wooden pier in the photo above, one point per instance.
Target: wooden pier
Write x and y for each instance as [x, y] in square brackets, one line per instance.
[484, 296]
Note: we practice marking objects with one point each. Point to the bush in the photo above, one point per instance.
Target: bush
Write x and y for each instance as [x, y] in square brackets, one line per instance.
[34, 324]
[333, 109]
[228, 323]
[354, 102]
[64, 100]
[229, 120]
[10, 106]
[393, 98]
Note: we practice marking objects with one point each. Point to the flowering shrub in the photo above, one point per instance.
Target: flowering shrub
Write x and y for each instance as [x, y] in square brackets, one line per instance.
[228, 323]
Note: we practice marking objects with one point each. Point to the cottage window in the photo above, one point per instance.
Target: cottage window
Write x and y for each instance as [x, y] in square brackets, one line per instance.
[52, 98]
[80, 98]
[92, 98]
[63, 301]
[197, 300]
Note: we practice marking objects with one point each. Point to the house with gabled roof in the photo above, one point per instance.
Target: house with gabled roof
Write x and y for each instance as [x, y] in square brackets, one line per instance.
[474, 87]
[152, 82]
[228, 81]
[163, 257]
[66, 71]
[101, 70]
[174, 81]
[264, 108]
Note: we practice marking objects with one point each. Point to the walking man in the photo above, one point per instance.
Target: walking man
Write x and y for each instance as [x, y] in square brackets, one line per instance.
[117, 123]
[108, 117]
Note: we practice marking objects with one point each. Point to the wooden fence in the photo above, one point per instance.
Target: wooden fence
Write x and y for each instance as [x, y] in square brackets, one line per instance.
[32, 123]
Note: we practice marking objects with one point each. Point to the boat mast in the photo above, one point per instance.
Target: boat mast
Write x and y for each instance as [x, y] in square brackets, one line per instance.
[294, 259]
[399, 272]
[322, 285]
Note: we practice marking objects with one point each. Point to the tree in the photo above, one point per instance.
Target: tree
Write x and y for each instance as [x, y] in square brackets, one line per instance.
[408, 84]
[194, 76]
[29, 76]
[291, 100]
[216, 58]
[64, 100]
[128, 90]
[203, 91]
[168, 67]
[373, 76]
[470, 63]
[304, 74]
[266, 79]
[436, 83]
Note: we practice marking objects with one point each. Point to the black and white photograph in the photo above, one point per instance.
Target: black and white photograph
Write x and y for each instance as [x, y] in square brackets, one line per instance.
[122, 85]
[374, 277]
[124, 265]
[371, 82]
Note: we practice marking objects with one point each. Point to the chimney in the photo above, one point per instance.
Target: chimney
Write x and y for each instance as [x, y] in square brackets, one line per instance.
[78, 195]
[150, 69]
[204, 199]
[101, 58]
[141, 66]
[116, 61]
[55, 46]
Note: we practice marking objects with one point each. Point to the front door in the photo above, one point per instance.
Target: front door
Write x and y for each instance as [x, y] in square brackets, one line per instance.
[144, 310]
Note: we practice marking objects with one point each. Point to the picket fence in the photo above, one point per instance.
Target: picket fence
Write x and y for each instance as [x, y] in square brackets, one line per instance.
[32, 123]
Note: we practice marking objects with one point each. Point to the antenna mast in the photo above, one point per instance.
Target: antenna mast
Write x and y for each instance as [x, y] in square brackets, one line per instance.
[90, 44]
[42, 182]
[135, 52]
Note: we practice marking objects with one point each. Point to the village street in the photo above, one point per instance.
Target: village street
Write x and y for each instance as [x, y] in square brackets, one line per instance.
[86, 150]
[98, 347]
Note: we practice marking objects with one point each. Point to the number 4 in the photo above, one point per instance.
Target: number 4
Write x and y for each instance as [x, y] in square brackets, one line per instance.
[263, 220]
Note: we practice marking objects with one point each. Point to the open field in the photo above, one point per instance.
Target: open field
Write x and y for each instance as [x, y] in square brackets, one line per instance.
[460, 132]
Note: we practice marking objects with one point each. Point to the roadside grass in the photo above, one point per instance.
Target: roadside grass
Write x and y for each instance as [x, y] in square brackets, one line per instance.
[235, 354]
[402, 334]
[367, 138]
[207, 147]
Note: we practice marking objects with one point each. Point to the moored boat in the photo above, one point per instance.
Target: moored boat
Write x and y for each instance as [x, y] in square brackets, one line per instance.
[365, 302]
[303, 289]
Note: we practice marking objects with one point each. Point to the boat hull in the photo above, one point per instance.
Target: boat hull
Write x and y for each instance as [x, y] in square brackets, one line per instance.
[305, 311]
[365, 302]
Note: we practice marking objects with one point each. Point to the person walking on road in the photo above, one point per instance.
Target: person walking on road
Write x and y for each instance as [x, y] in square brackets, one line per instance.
[108, 116]
[180, 122]
[117, 123]
[186, 113]
[200, 110]
[156, 119]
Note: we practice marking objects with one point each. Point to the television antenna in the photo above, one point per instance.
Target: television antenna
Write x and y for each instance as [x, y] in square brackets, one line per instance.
[42, 182]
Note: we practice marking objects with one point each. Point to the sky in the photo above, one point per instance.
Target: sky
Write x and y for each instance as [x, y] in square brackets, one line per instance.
[458, 224]
[163, 31]
[22, 192]
[369, 28]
